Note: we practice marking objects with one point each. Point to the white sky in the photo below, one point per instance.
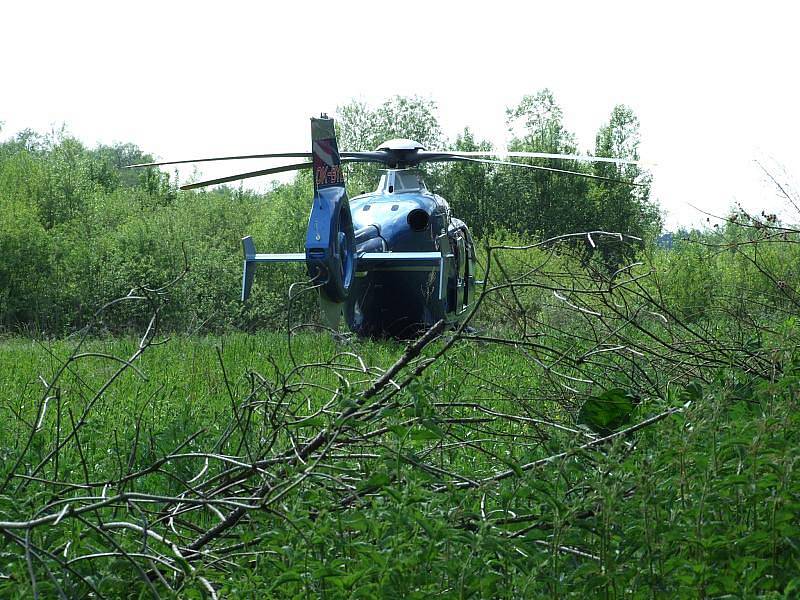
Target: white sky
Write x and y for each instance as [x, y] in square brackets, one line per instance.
[715, 84]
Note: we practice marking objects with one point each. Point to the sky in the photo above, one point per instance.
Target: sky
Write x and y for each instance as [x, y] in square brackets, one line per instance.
[714, 84]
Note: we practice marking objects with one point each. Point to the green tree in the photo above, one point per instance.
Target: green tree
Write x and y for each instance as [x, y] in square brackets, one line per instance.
[468, 186]
[363, 128]
[619, 207]
[55, 172]
[25, 267]
[536, 125]
[537, 201]
[109, 162]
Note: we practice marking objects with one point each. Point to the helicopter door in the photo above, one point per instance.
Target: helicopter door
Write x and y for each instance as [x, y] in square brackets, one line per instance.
[459, 281]
[469, 270]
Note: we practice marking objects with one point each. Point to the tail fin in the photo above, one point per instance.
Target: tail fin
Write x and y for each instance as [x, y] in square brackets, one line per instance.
[330, 216]
[325, 154]
[330, 242]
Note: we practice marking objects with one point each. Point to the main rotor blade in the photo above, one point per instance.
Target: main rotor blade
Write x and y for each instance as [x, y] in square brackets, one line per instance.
[242, 157]
[581, 157]
[283, 169]
[551, 169]
[377, 156]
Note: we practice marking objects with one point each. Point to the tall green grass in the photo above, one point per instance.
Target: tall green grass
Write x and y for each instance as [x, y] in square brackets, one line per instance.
[705, 505]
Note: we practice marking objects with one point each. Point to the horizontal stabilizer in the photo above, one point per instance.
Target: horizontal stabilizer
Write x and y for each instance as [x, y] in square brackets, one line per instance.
[251, 259]
[270, 258]
[367, 261]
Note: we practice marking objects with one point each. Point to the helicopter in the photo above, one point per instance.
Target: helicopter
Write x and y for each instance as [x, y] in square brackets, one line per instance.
[393, 261]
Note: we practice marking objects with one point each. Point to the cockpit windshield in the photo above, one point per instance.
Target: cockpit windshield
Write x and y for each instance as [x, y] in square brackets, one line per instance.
[397, 182]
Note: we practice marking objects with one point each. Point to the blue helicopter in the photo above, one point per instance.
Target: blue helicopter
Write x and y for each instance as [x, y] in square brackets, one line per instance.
[394, 261]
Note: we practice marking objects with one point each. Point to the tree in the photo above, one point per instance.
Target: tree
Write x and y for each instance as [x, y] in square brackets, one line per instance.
[536, 125]
[360, 127]
[26, 263]
[54, 172]
[623, 208]
[468, 186]
[542, 202]
[109, 163]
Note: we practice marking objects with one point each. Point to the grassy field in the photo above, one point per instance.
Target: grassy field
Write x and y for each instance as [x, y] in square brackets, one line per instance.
[432, 489]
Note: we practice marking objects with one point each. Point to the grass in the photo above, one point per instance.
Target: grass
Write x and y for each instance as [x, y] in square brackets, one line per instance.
[704, 504]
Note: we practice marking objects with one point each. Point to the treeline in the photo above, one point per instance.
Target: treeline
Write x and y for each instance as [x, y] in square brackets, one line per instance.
[491, 198]
[77, 230]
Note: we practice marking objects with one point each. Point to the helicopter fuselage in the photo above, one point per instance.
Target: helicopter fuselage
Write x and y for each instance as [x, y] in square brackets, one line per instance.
[402, 215]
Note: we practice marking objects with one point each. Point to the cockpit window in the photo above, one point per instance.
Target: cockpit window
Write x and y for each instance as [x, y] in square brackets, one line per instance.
[401, 181]
[406, 181]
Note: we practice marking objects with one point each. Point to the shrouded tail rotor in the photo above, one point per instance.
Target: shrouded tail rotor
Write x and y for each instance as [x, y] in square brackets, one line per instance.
[330, 240]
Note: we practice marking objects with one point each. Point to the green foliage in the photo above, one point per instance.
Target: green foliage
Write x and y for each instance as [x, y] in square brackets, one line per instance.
[540, 202]
[733, 272]
[362, 128]
[551, 204]
[469, 188]
[704, 503]
[608, 411]
[26, 262]
[77, 231]
[536, 124]
[95, 229]
[620, 207]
